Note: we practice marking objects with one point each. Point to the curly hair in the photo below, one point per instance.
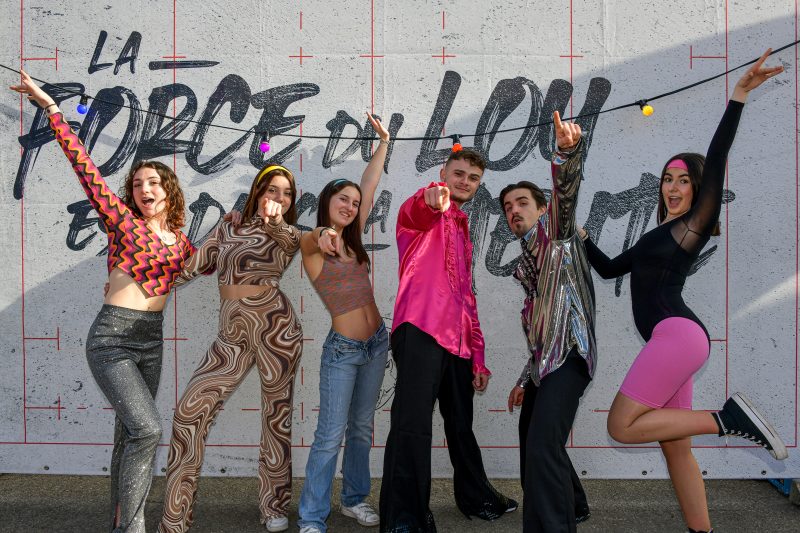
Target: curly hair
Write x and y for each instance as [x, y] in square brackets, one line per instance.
[176, 205]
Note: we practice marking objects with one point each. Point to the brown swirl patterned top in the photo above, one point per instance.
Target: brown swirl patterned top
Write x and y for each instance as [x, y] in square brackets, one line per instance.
[254, 253]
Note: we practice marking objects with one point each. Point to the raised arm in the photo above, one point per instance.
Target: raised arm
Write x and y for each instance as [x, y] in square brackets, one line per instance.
[704, 213]
[567, 173]
[107, 204]
[372, 174]
[425, 208]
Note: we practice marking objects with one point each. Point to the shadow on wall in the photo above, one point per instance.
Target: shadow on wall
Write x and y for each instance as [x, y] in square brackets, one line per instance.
[618, 142]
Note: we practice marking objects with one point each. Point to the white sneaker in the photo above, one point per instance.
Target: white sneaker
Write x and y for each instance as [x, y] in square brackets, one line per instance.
[309, 529]
[363, 513]
[277, 523]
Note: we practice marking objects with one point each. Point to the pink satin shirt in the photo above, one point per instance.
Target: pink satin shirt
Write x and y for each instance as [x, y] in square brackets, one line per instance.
[435, 292]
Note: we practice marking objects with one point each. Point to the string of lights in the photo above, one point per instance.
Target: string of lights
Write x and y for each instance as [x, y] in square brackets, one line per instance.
[644, 104]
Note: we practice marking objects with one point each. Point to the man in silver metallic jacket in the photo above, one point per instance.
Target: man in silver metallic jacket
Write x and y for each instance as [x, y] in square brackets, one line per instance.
[558, 321]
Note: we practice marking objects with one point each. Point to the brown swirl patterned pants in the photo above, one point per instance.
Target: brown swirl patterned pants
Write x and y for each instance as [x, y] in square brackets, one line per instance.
[262, 331]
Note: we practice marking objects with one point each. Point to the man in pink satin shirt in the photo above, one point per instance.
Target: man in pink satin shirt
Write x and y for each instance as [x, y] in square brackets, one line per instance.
[438, 348]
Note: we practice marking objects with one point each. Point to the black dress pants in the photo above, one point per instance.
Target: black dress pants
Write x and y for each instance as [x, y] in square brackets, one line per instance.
[427, 372]
[553, 494]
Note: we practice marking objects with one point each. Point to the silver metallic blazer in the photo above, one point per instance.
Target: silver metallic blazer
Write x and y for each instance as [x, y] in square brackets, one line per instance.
[559, 310]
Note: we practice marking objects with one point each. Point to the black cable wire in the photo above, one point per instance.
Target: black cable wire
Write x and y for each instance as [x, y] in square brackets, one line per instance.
[428, 138]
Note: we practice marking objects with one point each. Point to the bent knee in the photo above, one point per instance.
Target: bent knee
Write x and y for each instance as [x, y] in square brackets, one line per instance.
[619, 430]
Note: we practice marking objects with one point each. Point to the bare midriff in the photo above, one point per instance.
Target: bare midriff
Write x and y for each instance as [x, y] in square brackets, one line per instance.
[123, 291]
[359, 324]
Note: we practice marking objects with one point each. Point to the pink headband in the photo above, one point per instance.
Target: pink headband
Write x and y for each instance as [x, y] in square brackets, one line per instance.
[678, 163]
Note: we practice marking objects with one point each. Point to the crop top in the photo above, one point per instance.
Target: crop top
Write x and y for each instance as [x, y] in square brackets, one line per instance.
[343, 285]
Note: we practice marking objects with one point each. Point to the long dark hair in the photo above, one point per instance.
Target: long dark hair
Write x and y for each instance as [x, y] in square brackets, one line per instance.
[172, 188]
[260, 184]
[695, 163]
[351, 234]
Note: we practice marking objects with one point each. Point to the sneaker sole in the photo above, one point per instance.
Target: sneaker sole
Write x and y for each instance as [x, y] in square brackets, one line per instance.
[778, 450]
[350, 514]
[275, 529]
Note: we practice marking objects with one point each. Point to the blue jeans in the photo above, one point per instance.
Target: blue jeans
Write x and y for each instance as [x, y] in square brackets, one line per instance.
[350, 379]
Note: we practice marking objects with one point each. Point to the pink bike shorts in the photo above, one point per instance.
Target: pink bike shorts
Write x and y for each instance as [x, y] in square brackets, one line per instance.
[661, 375]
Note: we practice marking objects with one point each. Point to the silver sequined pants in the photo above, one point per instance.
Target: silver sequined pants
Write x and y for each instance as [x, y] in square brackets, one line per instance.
[124, 350]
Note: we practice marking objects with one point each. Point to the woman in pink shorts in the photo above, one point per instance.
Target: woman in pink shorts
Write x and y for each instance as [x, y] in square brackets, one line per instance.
[655, 400]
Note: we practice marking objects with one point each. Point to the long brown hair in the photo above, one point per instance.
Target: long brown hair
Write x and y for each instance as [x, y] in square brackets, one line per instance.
[169, 182]
[259, 186]
[351, 234]
[695, 163]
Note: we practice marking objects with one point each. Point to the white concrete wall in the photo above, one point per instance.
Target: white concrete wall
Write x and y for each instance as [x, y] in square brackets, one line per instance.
[53, 415]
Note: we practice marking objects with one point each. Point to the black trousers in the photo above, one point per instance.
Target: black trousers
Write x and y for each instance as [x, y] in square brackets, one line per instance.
[553, 494]
[425, 373]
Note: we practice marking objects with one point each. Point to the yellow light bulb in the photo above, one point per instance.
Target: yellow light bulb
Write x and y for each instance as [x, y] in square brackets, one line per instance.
[647, 110]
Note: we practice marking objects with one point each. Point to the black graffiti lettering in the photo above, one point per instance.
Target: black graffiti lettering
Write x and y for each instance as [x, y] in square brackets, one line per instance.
[429, 156]
[366, 146]
[379, 214]
[199, 208]
[307, 202]
[506, 97]
[558, 95]
[129, 52]
[160, 139]
[557, 98]
[478, 211]
[103, 110]
[275, 102]
[40, 133]
[98, 49]
[234, 90]
[337, 126]
[501, 237]
[596, 96]
[81, 221]
[640, 202]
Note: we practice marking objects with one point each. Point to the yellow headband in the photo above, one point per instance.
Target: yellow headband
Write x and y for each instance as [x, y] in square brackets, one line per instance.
[270, 169]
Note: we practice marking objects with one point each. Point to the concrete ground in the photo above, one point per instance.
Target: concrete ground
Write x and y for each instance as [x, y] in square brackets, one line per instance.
[31, 503]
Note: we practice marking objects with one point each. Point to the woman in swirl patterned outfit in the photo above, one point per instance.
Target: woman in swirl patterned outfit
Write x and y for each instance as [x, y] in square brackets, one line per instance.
[257, 326]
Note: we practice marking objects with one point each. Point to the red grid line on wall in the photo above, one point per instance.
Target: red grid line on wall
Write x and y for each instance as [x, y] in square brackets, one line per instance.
[176, 338]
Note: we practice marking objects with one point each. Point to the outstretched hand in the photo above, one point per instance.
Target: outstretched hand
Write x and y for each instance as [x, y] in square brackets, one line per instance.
[438, 197]
[755, 76]
[379, 128]
[32, 90]
[272, 210]
[330, 242]
[567, 133]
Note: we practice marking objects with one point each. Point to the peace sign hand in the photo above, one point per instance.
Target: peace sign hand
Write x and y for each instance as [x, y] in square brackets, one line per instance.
[756, 75]
[567, 133]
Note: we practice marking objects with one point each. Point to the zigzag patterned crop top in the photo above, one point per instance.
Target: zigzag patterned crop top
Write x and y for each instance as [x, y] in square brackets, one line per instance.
[132, 247]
